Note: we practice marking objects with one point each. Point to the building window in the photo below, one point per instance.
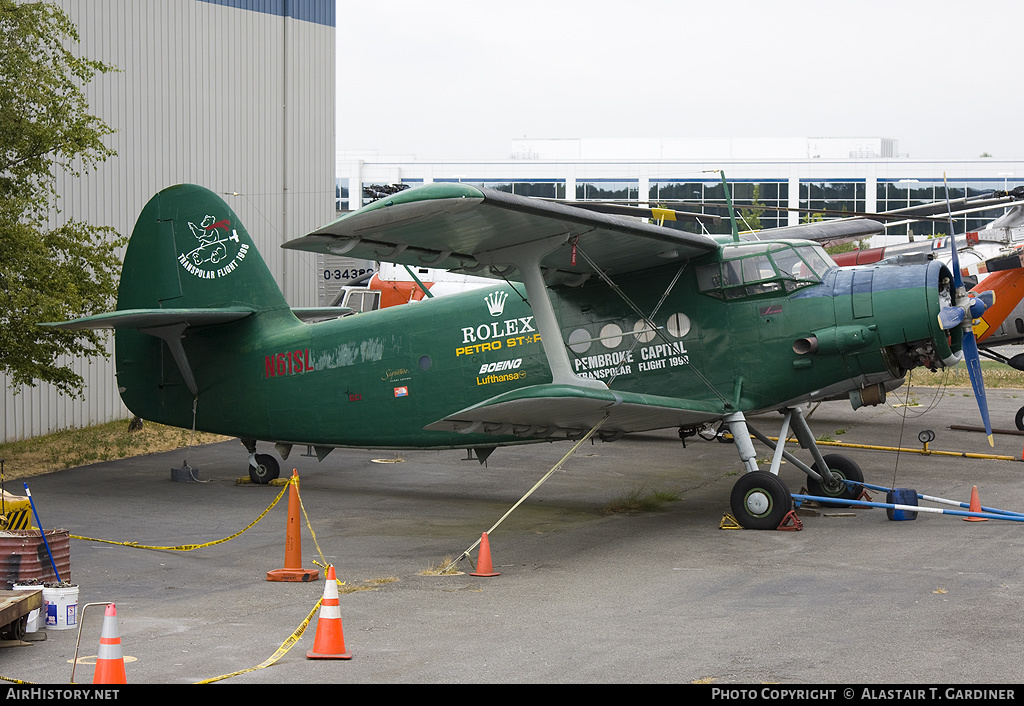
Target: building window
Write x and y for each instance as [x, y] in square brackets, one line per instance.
[840, 196]
[747, 196]
[550, 189]
[901, 193]
[340, 195]
[607, 191]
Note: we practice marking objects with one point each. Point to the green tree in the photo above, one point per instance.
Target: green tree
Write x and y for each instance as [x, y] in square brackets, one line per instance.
[750, 217]
[47, 273]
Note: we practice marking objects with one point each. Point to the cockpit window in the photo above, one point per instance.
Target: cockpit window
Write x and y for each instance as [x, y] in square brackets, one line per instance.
[817, 258]
[751, 269]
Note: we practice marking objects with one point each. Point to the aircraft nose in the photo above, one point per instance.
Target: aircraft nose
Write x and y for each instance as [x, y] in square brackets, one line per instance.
[886, 319]
[905, 303]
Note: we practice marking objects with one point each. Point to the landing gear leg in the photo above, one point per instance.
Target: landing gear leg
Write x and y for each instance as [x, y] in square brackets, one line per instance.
[738, 428]
[828, 475]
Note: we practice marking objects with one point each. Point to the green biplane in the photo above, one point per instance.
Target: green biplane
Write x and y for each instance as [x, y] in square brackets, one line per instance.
[594, 320]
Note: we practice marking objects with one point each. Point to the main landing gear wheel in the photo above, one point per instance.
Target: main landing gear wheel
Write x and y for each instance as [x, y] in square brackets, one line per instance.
[1019, 419]
[267, 469]
[760, 500]
[845, 469]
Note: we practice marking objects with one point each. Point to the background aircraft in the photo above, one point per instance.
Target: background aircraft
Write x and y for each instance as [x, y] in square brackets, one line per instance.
[394, 285]
[983, 253]
[595, 324]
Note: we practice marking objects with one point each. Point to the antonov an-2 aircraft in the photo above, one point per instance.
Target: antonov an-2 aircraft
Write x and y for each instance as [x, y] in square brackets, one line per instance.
[594, 320]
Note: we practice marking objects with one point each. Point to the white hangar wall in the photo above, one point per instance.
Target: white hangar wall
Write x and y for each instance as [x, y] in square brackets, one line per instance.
[233, 95]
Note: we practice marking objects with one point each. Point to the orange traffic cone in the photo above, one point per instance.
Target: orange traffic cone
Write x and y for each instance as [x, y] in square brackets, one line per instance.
[293, 570]
[329, 642]
[109, 660]
[975, 507]
[483, 560]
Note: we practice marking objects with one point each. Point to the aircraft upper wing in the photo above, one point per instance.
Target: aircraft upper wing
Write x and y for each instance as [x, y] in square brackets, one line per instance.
[448, 225]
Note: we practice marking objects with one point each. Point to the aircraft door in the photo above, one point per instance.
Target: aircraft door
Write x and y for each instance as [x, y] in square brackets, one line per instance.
[861, 293]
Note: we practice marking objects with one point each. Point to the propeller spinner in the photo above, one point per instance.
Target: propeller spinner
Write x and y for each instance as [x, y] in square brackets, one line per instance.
[963, 311]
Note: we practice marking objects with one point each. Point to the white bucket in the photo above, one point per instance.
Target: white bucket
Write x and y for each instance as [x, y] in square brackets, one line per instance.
[35, 620]
[61, 604]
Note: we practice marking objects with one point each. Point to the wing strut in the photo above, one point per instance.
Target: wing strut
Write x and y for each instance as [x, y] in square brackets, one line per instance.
[648, 320]
[526, 257]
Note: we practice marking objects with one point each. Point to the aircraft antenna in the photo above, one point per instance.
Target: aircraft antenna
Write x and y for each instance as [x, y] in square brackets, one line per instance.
[728, 202]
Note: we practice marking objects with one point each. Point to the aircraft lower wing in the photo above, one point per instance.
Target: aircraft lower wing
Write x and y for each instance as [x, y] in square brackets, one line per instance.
[556, 411]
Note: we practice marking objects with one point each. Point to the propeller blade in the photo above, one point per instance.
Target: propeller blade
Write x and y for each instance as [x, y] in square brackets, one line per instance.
[973, 361]
[950, 317]
[961, 302]
[981, 301]
[958, 279]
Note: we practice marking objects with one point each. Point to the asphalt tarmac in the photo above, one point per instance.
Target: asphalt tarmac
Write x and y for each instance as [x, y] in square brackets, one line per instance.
[583, 596]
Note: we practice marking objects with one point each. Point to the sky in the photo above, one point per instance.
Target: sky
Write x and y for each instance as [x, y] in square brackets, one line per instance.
[456, 79]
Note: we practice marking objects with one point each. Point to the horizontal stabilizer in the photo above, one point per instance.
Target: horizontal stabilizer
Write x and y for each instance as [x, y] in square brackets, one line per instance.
[560, 411]
[312, 314]
[165, 324]
[153, 318]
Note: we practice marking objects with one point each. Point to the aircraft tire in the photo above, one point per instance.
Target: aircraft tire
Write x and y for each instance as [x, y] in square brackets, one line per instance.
[845, 468]
[267, 469]
[1019, 419]
[760, 500]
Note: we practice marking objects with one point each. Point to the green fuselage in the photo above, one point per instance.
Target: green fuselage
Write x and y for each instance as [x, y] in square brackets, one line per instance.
[377, 379]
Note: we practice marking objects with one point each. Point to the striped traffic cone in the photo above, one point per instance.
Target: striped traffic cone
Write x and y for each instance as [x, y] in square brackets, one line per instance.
[109, 660]
[329, 642]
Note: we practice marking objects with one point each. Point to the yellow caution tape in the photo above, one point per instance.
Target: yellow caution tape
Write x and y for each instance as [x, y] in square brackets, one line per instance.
[190, 547]
[16, 681]
[281, 651]
[292, 639]
[309, 524]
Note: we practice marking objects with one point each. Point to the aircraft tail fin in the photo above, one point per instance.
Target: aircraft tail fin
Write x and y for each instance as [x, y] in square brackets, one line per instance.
[189, 250]
[190, 264]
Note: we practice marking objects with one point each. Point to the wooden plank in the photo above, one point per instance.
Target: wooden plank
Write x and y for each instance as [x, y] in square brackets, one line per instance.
[15, 604]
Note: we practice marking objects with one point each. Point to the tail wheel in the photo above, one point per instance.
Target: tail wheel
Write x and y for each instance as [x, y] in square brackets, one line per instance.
[266, 469]
[845, 469]
[760, 500]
